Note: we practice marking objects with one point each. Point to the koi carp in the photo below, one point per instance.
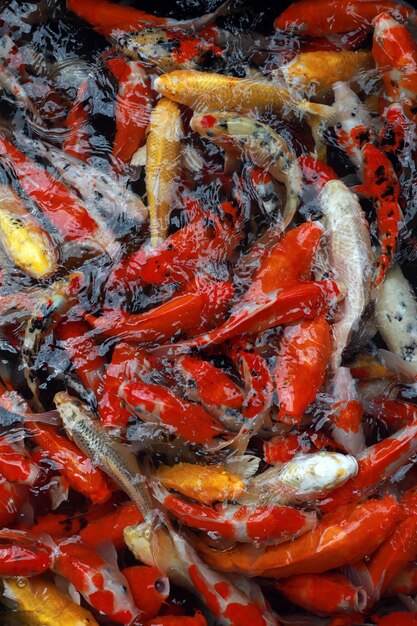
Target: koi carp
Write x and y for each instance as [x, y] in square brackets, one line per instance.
[338, 16]
[45, 603]
[396, 316]
[349, 250]
[23, 239]
[244, 524]
[260, 144]
[163, 165]
[342, 537]
[115, 461]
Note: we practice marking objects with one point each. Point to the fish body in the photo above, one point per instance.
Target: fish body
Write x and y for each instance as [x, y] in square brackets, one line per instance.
[350, 257]
[24, 240]
[204, 91]
[258, 143]
[45, 603]
[303, 478]
[396, 316]
[115, 461]
[163, 166]
[317, 71]
[395, 53]
[321, 17]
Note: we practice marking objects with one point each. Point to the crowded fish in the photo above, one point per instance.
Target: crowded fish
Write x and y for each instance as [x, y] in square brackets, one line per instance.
[208, 313]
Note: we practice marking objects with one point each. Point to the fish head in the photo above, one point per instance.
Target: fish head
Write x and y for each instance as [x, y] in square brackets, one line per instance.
[318, 472]
[70, 410]
[225, 128]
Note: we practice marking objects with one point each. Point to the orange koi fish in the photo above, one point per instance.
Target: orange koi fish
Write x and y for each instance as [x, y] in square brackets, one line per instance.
[302, 359]
[342, 537]
[323, 594]
[323, 17]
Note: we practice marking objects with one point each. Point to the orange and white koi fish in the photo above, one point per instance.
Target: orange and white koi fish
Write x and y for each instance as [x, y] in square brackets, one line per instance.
[350, 252]
[346, 415]
[396, 316]
[160, 404]
[23, 239]
[337, 16]
[258, 143]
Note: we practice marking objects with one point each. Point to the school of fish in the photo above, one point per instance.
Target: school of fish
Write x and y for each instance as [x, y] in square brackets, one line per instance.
[208, 341]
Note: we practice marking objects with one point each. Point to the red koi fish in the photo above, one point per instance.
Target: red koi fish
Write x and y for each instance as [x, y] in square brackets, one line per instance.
[107, 17]
[133, 108]
[99, 582]
[209, 385]
[157, 403]
[10, 502]
[302, 301]
[23, 554]
[149, 587]
[342, 537]
[79, 470]
[84, 353]
[111, 526]
[126, 364]
[16, 464]
[323, 594]
[324, 17]
[213, 237]
[77, 141]
[376, 464]
[239, 523]
[59, 204]
[203, 303]
[302, 359]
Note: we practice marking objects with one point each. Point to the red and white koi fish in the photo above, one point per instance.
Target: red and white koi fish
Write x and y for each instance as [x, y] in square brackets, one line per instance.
[237, 522]
[350, 252]
[188, 420]
[346, 415]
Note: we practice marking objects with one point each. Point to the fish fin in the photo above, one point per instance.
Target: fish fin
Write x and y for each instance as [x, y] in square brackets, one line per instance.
[47, 417]
[107, 551]
[231, 162]
[324, 111]
[128, 457]
[139, 158]
[245, 466]
[58, 491]
[159, 492]
[192, 159]
[363, 190]
[394, 363]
